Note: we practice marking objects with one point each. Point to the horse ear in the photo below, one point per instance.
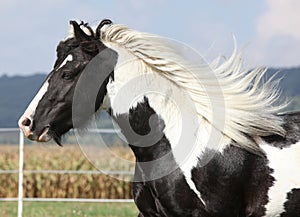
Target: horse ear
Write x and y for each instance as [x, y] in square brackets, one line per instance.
[79, 34]
[103, 23]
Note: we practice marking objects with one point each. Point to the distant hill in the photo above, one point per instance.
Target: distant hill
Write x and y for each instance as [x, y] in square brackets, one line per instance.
[16, 93]
[290, 85]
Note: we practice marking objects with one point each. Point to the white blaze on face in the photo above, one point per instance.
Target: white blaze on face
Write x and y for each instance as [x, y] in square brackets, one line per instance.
[28, 114]
[34, 103]
[69, 58]
[26, 120]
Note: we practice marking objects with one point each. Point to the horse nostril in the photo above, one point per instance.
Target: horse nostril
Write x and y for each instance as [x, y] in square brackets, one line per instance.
[26, 122]
[26, 125]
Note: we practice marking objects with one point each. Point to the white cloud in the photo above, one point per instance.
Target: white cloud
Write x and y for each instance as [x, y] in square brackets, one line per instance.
[282, 18]
[277, 41]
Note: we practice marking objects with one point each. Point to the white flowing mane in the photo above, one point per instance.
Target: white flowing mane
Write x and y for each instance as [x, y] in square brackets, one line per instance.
[247, 101]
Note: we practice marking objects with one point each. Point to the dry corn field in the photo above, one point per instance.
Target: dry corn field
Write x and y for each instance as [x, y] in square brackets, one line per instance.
[69, 157]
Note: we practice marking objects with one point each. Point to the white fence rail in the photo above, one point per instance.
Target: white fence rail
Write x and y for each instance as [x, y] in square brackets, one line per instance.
[20, 199]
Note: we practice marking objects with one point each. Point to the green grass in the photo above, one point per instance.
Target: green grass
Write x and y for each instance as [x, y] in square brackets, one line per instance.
[56, 209]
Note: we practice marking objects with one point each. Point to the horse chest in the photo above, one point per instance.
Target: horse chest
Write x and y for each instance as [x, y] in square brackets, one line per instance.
[167, 196]
[229, 187]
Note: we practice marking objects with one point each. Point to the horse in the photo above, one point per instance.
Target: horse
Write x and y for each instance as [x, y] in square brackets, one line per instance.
[208, 139]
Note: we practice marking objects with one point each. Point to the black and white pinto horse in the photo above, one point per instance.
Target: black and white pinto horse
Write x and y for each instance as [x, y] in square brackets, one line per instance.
[252, 170]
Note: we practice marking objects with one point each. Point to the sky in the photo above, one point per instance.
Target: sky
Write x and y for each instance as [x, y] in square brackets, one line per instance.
[267, 30]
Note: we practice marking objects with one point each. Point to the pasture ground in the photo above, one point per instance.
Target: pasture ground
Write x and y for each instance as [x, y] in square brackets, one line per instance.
[67, 209]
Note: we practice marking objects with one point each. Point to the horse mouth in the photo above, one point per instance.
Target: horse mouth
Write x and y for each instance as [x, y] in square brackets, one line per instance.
[45, 136]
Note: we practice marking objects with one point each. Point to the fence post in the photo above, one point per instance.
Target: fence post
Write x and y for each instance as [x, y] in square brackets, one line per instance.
[21, 164]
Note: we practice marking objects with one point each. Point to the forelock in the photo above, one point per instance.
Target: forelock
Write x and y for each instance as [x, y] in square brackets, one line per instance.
[64, 47]
[90, 44]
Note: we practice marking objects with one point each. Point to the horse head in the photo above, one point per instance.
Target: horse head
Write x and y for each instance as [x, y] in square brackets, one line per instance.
[49, 115]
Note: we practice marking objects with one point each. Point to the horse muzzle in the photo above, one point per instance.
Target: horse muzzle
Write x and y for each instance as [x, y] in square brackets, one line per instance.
[25, 124]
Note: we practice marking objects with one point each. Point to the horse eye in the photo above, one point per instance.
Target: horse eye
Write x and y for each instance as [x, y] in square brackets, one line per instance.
[67, 75]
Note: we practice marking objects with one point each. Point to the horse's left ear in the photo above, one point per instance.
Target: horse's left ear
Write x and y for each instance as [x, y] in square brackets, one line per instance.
[78, 32]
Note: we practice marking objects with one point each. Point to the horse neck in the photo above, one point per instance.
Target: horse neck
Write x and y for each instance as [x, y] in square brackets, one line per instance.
[147, 105]
[133, 83]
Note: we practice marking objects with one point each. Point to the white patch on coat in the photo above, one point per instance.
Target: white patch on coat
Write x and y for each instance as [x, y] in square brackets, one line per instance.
[286, 165]
[187, 136]
[69, 58]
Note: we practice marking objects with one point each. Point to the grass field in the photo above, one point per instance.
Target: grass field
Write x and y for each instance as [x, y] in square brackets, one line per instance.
[55, 209]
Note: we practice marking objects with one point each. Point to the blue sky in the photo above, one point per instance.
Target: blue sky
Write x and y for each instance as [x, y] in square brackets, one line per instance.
[270, 29]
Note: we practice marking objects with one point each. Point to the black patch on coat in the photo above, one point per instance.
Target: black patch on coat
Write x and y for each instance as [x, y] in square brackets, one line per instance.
[169, 196]
[292, 206]
[234, 183]
[292, 127]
